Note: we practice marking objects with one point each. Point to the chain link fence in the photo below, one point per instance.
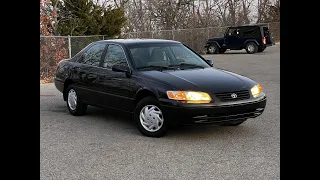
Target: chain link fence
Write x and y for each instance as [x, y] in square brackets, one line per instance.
[55, 48]
[194, 38]
[52, 50]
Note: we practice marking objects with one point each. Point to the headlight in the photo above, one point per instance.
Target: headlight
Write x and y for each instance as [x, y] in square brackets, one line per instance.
[256, 90]
[189, 96]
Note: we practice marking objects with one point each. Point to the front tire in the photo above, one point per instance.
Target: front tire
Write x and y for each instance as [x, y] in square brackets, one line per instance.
[149, 118]
[213, 49]
[74, 104]
[251, 48]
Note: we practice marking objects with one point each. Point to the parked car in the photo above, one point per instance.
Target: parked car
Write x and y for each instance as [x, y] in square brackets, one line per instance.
[161, 82]
[252, 38]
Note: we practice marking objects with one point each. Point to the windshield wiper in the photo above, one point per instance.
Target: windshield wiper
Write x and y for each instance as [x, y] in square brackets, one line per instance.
[187, 64]
[156, 66]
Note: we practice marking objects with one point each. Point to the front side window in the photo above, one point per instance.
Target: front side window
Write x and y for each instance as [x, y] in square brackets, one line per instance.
[115, 55]
[93, 55]
[234, 32]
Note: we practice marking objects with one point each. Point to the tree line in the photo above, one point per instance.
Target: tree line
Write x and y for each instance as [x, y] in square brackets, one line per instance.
[147, 15]
[111, 17]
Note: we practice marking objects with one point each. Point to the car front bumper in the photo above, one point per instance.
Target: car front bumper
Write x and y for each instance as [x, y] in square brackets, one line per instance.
[215, 114]
[59, 84]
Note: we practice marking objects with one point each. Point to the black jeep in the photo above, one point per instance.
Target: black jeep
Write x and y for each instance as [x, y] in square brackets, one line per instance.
[252, 38]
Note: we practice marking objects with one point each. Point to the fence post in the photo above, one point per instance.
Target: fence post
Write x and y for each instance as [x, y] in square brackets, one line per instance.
[172, 34]
[69, 45]
[208, 32]
[151, 34]
[192, 38]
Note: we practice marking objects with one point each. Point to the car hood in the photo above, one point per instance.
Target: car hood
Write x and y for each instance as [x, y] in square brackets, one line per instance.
[209, 80]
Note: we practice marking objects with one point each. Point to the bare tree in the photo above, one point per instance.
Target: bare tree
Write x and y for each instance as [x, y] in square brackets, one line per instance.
[262, 10]
[148, 15]
[245, 12]
[120, 3]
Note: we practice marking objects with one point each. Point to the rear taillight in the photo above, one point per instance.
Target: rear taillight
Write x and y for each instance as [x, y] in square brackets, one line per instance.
[264, 40]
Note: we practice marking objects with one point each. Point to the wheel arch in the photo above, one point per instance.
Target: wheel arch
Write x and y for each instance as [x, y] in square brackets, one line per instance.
[67, 83]
[250, 40]
[142, 93]
[214, 42]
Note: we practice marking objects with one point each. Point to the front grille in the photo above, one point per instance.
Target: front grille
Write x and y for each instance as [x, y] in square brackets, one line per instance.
[224, 97]
[221, 117]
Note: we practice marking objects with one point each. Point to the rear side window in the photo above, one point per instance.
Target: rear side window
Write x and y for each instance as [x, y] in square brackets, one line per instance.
[93, 55]
[250, 32]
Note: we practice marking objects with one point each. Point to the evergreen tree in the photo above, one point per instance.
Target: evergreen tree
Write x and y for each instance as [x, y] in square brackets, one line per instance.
[84, 17]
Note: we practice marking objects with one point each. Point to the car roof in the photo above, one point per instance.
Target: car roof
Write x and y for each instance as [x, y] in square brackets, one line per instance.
[138, 41]
[249, 25]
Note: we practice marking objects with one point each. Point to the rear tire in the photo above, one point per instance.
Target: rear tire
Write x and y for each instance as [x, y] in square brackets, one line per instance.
[149, 118]
[221, 51]
[74, 104]
[251, 48]
[261, 49]
[213, 49]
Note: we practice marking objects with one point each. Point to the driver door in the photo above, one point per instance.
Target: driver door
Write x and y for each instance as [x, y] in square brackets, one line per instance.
[114, 86]
[233, 39]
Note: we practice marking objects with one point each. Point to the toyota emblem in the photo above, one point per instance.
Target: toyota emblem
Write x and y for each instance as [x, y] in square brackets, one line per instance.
[234, 95]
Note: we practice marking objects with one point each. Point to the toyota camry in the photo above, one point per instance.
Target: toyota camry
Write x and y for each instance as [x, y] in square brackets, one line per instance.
[160, 82]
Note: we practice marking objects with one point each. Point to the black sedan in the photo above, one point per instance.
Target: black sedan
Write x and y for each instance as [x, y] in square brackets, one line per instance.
[161, 82]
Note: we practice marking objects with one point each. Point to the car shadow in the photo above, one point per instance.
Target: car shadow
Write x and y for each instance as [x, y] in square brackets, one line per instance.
[230, 53]
[122, 121]
[235, 53]
[210, 131]
[110, 115]
[125, 121]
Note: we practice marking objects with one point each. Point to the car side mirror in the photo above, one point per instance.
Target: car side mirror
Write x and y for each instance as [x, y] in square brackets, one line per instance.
[210, 61]
[121, 68]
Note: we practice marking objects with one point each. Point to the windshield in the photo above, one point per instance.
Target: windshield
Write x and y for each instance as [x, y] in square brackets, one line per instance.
[165, 55]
